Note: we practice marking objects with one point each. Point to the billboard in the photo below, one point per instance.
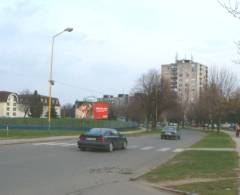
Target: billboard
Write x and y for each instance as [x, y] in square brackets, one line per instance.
[89, 110]
[100, 110]
[83, 110]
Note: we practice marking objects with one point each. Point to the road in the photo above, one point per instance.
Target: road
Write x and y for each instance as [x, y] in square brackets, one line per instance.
[60, 168]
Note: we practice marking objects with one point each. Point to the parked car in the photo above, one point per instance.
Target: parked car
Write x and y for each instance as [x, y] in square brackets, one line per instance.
[102, 138]
[171, 132]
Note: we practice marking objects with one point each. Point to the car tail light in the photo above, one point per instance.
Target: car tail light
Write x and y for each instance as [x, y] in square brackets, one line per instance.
[101, 139]
[82, 137]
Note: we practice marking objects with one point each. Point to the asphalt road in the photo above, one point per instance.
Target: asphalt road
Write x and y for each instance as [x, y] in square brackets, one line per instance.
[60, 168]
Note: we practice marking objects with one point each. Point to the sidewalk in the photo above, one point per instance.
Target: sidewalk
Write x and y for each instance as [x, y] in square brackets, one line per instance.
[237, 141]
[55, 138]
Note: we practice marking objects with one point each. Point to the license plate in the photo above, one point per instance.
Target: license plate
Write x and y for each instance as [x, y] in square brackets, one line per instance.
[90, 138]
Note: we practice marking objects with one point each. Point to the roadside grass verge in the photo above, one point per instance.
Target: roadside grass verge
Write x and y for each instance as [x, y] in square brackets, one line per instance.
[216, 140]
[191, 170]
[35, 133]
[21, 133]
[223, 187]
[195, 164]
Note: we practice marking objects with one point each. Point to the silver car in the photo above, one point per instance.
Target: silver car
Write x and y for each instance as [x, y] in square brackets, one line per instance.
[171, 132]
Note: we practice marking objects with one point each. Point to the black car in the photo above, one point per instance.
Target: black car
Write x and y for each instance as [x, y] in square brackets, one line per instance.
[102, 138]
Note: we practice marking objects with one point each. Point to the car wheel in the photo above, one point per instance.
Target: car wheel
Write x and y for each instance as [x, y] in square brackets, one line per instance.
[110, 147]
[124, 146]
[82, 149]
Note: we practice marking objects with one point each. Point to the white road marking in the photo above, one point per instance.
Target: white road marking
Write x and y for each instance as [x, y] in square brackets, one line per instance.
[163, 149]
[54, 144]
[178, 150]
[147, 148]
[133, 146]
[66, 145]
[42, 143]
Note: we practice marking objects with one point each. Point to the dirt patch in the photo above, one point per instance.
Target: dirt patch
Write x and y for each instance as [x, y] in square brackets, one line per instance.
[109, 170]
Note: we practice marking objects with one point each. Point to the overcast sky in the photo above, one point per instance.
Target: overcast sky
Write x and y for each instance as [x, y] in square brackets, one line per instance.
[112, 44]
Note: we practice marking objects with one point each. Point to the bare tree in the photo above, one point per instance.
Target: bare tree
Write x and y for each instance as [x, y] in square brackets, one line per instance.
[67, 110]
[232, 6]
[213, 104]
[25, 101]
[135, 110]
[153, 96]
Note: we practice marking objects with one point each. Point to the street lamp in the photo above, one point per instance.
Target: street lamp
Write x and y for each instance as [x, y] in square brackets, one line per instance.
[51, 81]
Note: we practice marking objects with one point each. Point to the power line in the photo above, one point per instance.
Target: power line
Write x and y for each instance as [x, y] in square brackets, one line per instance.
[77, 87]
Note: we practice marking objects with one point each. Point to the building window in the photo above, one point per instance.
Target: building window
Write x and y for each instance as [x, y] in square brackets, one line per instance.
[14, 113]
[8, 103]
[14, 98]
[7, 113]
[180, 75]
[14, 109]
[8, 108]
[14, 104]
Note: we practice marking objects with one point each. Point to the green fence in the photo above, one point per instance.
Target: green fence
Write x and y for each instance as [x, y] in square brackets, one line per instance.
[63, 123]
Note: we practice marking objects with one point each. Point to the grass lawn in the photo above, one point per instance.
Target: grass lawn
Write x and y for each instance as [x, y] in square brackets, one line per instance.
[201, 164]
[196, 164]
[216, 140]
[35, 133]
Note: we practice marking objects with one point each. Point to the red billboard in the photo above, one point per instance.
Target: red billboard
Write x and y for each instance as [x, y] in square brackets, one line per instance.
[100, 110]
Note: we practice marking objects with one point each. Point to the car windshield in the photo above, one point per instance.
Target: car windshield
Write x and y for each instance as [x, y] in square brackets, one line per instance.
[170, 129]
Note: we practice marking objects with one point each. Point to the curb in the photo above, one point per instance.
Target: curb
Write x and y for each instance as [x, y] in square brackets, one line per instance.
[171, 190]
[30, 140]
[35, 140]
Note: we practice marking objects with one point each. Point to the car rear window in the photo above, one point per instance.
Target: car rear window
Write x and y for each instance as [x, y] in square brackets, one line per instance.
[97, 131]
[169, 129]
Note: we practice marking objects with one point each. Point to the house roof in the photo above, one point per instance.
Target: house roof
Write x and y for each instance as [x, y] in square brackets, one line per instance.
[4, 95]
[55, 101]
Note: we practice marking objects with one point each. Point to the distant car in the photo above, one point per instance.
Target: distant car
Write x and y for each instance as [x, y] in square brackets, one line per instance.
[102, 138]
[171, 132]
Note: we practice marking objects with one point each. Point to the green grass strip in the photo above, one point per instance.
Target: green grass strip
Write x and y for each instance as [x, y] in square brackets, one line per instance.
[224, 187]
[196, 164]
[215, 140]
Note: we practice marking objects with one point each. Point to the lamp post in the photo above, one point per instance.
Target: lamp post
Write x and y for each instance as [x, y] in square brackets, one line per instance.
[51, 81]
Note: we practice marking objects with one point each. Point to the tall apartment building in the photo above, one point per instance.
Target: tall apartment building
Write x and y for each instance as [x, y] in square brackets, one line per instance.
[186, 77]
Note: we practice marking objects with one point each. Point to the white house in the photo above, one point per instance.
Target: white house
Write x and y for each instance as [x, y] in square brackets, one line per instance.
[10, 106]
